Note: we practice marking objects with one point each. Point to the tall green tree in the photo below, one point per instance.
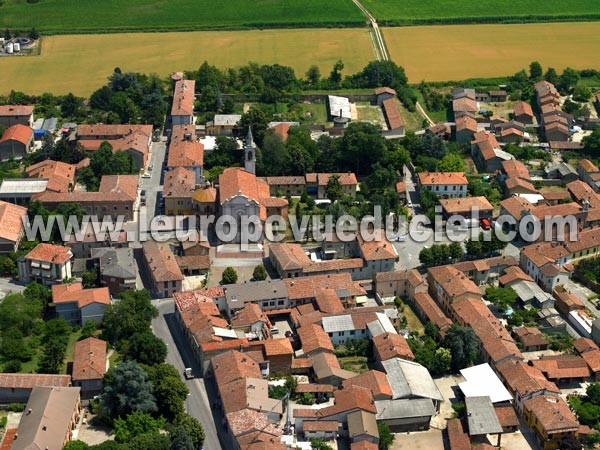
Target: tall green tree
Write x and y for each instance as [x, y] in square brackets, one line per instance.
[535, 71]
[132, 314]
[229, 276]
[127, 389]
[182, 440]
[145, 348]
[136, 424]
[462, 343]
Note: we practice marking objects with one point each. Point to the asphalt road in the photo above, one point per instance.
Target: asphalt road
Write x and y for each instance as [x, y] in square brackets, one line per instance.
[180, 355]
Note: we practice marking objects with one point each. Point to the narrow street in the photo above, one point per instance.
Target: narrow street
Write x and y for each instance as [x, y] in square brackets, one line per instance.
[180, 355]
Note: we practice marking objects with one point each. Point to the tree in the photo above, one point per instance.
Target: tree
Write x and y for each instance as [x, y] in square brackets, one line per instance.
[334, 189]
[551, 76]
[53, 357]
[38, 292]
[593, 393]
[13, 346]
[76, 445]
[70, 105]
[182, 440]
[336, 73]
[456, 251]
[386, 437]
[462, 343]
[136, 424]
[381, 73]
[127, 389]
[591, 143]
[192, 426]
[8, 266]
[260, 273]
[133, 313]
[169, 390]
[88, 330]
[229, 276]
[535, 71]
[582, 93]
[274, 158]
[442, 361]
[568, 79]
[257, 119]
[313, 75]
[501, 297]
[452, 162]
[319, 444]
[145, 348]
[89, 279]
[569, 442]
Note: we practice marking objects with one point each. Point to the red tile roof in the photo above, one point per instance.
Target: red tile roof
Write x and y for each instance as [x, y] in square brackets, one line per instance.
[583, 345]
[553, 413]
[16, 110]
[373, 380]
[307, 287]
[432, 311]
[465, 205]
[392, 114]
[179, 183]
[89, 360]
[446, 178]
[31, 380]
[183, 98]
[11, 221]
[161, 263]
[184, 149]
[55, 254]
[313, 337]
[61, 176]
[328, 301]
[522, 108]
[74, 292]
[562, 366]
[232, 366]
[392, 345]
[19, 133]
[458, 437]
[250, 314]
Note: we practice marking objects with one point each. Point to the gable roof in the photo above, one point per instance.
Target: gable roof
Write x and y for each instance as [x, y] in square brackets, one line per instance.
[161, 262]
[89, 359]
[438, 178]
[74, 292]
[374, 380]
[410, 379]
[179, 183]
[183, 98]
[313, 337]
[11, 221]
[16, 110]
[55, 254]
[19, 133]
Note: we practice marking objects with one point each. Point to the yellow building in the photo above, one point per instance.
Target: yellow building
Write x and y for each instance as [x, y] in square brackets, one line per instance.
[179, 186]
[550, 418]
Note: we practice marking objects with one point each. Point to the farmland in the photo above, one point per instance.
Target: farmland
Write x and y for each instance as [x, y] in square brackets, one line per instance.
[81, 63]
[69, 16]
[406, 12]
[457, 52]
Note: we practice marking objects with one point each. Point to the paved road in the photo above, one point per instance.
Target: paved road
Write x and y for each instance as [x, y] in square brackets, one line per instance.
[180, 355]
[7, 285]
[153, 185]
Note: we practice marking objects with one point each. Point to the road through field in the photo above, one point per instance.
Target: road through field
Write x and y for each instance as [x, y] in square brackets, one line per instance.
[81, 63]
[456, 52]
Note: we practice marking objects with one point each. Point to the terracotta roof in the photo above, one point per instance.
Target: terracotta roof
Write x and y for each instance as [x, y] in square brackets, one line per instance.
[487, 144]
[363, 445]
[290, 256]
[31, 380]
[16, 110]
[245, 420]
[377, 249]
[232, 366]
[392, 345]
[506, 416]
[466, 123]
[249, 315]
[313, 337]
[11, 221]
[522, 108]
[523, 378]
[515, 169]
[465, 104]
[257, 440]
[307, 287]
[384, 90]
[446, 178]
[19, 133]
[328, 301]
[55, 254]
[581, 191]
[465, 205]
[349, 399]
[184, 149]
[113, 188]
[208, 195]
[183, 98]
[346, 178]
[61, 176]
[236, 181]
[374, 380]
[9, 436]
[530, 336]
[562, 366]
[392, 114]
[302, 363]
[161, 263]
[453, 281]
[583, 345]
[432, 311]
[588, 165]
[592, 359]
[512, 274]
[552, 412]
[108, 132]
[89, 360]
[179, 183]
[195, 299]
[314, 388]
[286, 180]
[74, 292]
[277, 347]
[320, 425]
[458, 437]
[250, 393]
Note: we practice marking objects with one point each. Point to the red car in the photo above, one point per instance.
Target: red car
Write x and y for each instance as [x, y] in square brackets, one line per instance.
[485, 224]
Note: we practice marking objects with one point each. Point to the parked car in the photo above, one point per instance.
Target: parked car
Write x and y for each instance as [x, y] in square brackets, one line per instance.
[486, 224]
[187, 373]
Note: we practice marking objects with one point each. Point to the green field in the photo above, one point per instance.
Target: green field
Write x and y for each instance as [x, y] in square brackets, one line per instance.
[68, 16]
[81, 63]
[405, 12]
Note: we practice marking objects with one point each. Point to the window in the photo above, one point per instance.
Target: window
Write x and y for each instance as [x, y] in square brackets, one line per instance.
[174, 284]
[280, 302]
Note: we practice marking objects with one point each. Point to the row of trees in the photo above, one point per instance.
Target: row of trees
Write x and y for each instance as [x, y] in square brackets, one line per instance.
[439, 254]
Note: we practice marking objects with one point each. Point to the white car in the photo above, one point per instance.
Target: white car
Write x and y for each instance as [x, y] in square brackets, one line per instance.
[146, 175]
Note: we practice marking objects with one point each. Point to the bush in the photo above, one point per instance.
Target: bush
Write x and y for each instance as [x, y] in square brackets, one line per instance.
[16, 407]
[13, 366]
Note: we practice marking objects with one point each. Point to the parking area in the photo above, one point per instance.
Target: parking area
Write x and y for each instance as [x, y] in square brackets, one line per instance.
[282, 325]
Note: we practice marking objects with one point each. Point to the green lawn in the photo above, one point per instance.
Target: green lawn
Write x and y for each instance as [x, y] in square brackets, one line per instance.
[68, 16]
[395, 12]
[73, 338]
